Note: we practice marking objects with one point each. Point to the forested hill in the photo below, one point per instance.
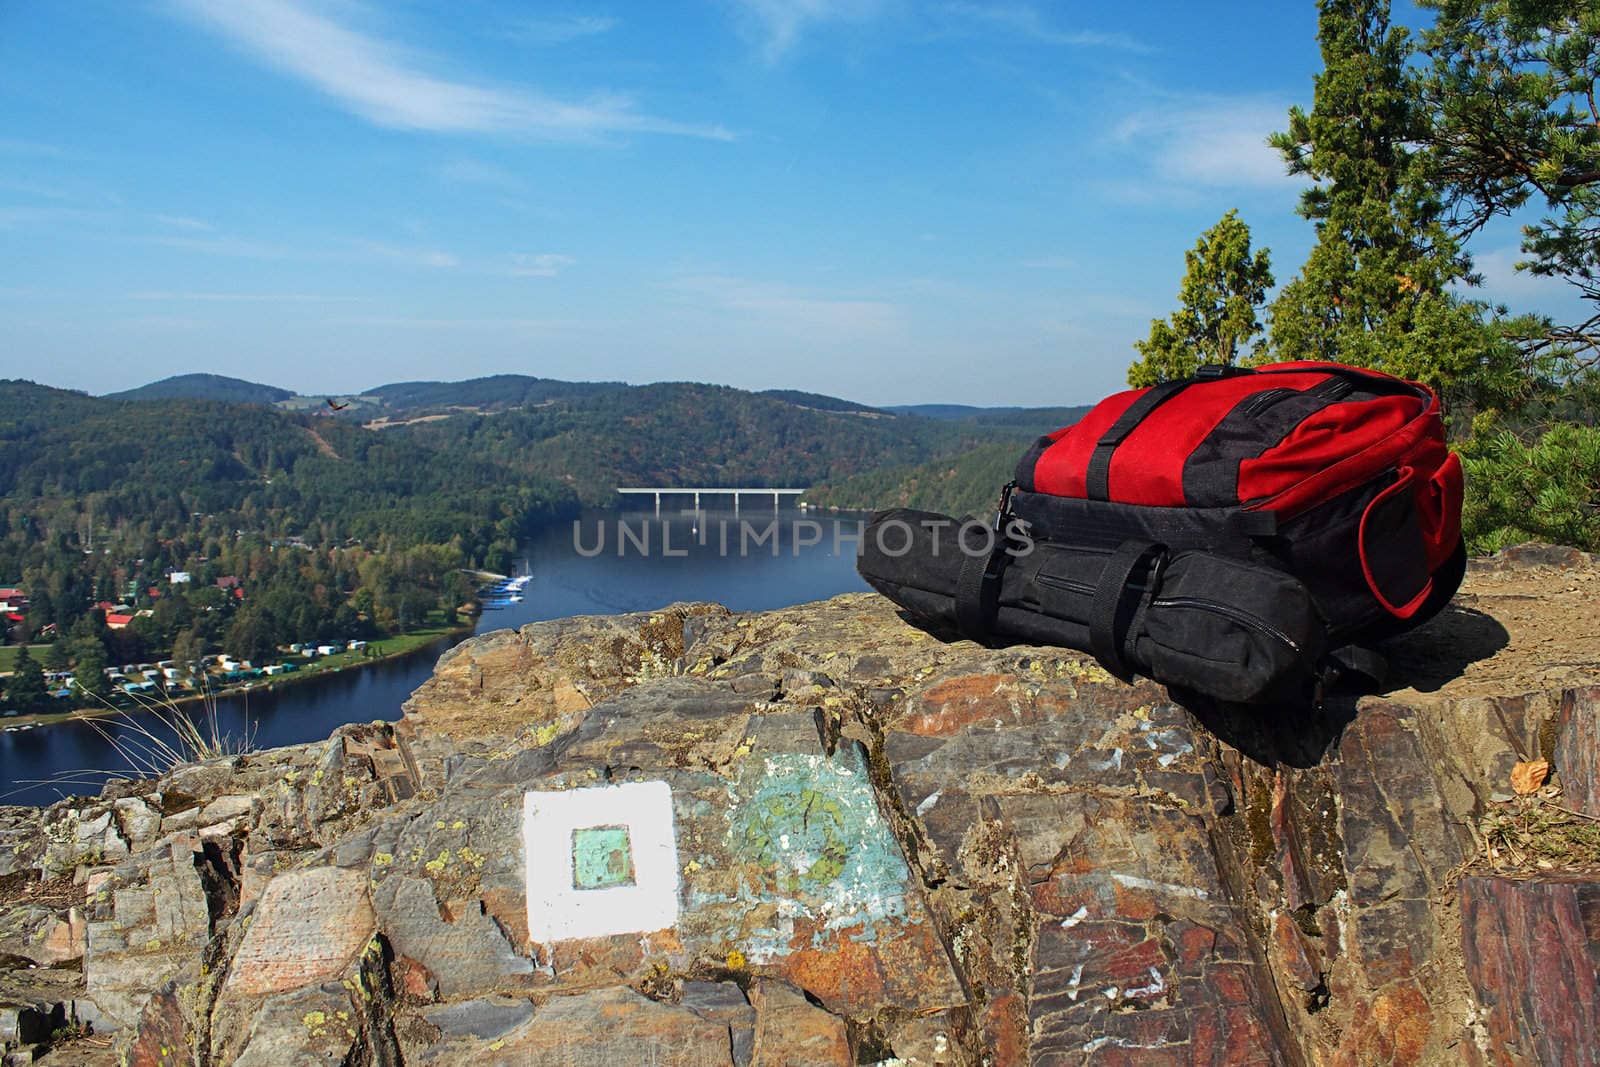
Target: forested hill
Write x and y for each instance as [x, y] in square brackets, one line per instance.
[206, 387]
[158, 463]
[569, 441]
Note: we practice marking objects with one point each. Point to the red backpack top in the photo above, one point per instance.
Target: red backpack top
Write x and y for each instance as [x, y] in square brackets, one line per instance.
[1340, 476]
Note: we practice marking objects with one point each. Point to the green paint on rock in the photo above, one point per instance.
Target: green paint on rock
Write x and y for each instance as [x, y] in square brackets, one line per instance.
[810, 826]
[602, 857]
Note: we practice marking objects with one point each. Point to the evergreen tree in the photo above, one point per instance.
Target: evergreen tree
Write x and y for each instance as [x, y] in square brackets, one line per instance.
[251, 638]
[1510, 99]
[1375, 290]
[1219, 303]
[56, 656]
[89, 669]
[26, 689]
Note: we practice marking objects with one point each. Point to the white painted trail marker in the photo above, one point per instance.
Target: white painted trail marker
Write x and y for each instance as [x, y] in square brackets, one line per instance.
[600, 861]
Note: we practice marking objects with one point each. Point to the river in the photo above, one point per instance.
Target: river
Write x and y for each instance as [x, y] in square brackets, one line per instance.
[614, 562]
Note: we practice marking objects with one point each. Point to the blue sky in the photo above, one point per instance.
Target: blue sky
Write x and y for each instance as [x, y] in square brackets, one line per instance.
[956, 201]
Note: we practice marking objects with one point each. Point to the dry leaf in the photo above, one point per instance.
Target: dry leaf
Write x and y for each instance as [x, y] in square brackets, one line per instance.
[1527, 777]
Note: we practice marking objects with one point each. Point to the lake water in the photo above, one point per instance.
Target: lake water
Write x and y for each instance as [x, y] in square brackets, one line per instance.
[750, 562]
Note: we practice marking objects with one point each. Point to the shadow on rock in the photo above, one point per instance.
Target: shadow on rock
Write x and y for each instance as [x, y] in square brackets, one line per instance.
[1274, 735]
[1437, 653]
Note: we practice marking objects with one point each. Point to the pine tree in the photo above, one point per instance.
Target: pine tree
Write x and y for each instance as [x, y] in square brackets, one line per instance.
[89, 670]
[1219, 305]
[26, 690]
[1510, 99]
[1375, 290]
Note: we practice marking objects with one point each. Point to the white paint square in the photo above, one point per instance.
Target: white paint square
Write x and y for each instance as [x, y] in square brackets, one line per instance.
[557, 909]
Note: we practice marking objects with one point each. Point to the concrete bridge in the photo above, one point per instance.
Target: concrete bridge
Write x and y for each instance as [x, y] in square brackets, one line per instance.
[659, 492]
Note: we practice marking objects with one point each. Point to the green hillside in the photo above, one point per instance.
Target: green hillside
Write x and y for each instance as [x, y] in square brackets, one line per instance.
[206, 387]
[965, 483]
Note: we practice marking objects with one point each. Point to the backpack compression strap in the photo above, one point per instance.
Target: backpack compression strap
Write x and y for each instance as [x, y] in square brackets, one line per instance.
[1119, 602]
[1097, 477]
[978, 586]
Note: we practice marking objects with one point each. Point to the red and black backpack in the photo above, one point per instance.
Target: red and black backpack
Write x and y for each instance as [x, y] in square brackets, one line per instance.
[1311, 499]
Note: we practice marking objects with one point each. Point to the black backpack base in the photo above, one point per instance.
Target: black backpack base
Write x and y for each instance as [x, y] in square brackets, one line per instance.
[1229, 628]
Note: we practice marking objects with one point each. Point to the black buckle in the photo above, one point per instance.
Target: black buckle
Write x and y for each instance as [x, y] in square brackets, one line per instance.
[1211, 372]
[1004, 507]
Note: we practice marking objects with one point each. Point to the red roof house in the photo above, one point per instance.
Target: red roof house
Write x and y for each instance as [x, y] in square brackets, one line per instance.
[117, 622]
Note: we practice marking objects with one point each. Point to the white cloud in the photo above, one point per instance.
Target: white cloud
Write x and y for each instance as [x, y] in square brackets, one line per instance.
[1522, 290]
[227, 246]
[12, 218]
[184, 222]
[1020, 20]
[412, 257]
[425, 322]
[779, 24]
[384, 83]
[13, 147]
[543, 265]
[487, 175]
[787, 308]
[250, 298]
[1215, 141]
[562, 28]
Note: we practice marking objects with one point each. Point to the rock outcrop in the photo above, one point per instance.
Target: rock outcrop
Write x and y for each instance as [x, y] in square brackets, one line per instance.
[821, 836]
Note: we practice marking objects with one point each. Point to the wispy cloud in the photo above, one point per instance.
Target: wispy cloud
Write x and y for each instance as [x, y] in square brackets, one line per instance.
[543, 265]
[12, 147]
[184, 222]
[1020, 20]
[1216, 142]
[559, 29]
[486, 175]
[240, 298]
[414, 257]
[1522, 290]
[778, 25]
[12, 218]
[787, 307]
[426, 322]
[227, 246]
[386, 85]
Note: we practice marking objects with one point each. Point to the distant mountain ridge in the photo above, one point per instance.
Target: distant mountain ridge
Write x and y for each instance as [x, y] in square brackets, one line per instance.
[206, 387]
[498, 392]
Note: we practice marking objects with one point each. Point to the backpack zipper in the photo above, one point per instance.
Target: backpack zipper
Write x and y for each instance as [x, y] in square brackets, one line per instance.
[1228, 611]
[1263, 400]
[1254, 622]
[1068, 584]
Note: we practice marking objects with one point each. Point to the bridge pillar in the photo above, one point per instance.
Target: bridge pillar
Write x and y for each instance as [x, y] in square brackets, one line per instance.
[658, 505]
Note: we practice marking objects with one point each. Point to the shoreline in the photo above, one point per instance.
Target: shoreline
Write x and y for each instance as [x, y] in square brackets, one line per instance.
[409, 644]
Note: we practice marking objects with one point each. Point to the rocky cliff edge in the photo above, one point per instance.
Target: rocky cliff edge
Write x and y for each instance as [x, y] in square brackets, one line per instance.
[821, 836]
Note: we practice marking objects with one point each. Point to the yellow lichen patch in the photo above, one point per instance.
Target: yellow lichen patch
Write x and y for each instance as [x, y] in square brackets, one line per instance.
[736, 961]
[382, 859]
[438, 863]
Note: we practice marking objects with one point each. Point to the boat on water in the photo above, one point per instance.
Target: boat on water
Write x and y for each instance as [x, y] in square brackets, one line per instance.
[503, 592]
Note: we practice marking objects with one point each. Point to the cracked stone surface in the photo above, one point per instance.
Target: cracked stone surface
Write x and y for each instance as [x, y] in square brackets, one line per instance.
[884, 846]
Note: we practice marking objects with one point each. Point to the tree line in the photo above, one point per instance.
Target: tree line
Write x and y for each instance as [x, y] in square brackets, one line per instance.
[1413, 144]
